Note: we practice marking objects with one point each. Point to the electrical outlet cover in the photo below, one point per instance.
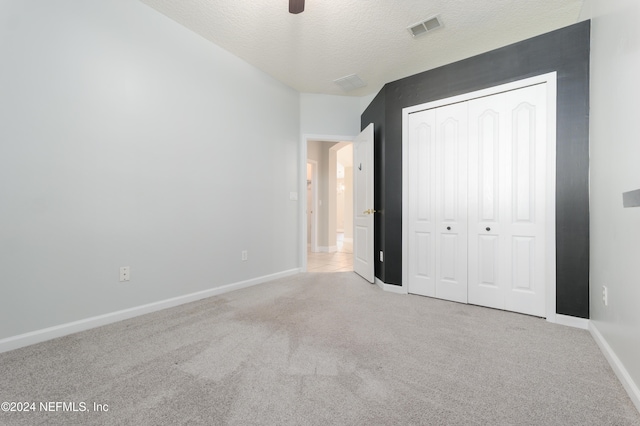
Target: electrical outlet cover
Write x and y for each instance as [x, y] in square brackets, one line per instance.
[125, 274]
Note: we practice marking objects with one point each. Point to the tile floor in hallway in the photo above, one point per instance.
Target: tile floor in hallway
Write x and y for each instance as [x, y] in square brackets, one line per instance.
[329, 262]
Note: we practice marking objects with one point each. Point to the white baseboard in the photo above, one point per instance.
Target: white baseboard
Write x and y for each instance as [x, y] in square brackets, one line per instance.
[390, 287]
[49, 333]
[570, 321]
[621, 372]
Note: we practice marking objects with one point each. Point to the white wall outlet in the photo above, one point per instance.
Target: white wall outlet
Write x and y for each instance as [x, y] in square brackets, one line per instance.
[125, 273]
[381, 256]
[605, 295]
[245, 255]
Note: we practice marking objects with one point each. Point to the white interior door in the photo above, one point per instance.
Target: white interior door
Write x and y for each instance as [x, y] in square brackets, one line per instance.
[507, 167]
[363, 204]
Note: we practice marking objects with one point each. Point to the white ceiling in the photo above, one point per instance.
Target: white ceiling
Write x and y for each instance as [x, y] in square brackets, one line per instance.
[334, 38]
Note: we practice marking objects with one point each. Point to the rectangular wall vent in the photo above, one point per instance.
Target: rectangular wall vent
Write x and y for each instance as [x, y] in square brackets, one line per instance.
[425, 26]
[350, 82]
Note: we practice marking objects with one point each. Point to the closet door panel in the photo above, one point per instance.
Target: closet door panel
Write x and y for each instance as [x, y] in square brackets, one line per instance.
[488, 168]
[507, 140]
[525, 221]
[421, 254]
[451, 202]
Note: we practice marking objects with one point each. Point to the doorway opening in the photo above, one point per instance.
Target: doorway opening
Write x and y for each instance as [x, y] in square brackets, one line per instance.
[329, 206]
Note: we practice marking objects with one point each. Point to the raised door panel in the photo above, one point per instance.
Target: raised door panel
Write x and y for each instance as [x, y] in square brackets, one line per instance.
[523, 144]
[523, 264]
[487, 171]
[525, 221]
[451, 202]
[421, 203]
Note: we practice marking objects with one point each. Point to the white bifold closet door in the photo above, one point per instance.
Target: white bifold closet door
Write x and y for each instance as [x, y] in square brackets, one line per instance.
[477, 201]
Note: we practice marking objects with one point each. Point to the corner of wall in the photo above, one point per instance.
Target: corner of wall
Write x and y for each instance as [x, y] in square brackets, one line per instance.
[616, 365]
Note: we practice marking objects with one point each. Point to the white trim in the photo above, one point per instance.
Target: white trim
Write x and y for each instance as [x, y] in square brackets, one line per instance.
[551, 83]
[49, 333]
[514, 85]
[302, 188]
[570, 321]
[618, 367]
[550, 249]
[405, 199]
[390, 287]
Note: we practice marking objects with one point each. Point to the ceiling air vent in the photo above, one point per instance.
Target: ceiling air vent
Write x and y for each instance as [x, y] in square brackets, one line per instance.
[425, 26]
[350, 82]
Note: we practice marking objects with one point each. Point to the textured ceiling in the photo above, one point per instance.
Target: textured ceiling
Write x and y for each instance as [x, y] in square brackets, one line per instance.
[335, 38]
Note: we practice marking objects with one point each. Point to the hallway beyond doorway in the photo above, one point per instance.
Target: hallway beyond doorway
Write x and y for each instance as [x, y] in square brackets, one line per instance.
[340, 261]
[329, 262]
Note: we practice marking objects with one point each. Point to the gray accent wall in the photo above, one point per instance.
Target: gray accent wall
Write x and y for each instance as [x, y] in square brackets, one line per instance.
[565, 51]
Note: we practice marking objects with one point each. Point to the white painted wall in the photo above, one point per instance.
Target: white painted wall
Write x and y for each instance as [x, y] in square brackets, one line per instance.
[330, 115]
[126, 139]
[366, 100]
[615, 156]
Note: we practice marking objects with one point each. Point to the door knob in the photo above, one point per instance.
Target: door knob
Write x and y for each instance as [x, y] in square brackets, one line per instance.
[448, 228]
[369, 211]
[488, 229]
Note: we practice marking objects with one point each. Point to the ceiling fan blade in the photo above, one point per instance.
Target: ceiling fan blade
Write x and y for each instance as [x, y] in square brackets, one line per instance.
[296, 6]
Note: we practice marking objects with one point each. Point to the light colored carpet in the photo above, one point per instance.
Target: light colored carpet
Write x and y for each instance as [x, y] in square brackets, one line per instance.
[320, 349]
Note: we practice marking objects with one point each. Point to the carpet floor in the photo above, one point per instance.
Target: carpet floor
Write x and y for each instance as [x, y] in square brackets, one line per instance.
[317, 349]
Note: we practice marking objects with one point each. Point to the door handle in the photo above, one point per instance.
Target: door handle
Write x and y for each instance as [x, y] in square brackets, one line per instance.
[369, 211]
